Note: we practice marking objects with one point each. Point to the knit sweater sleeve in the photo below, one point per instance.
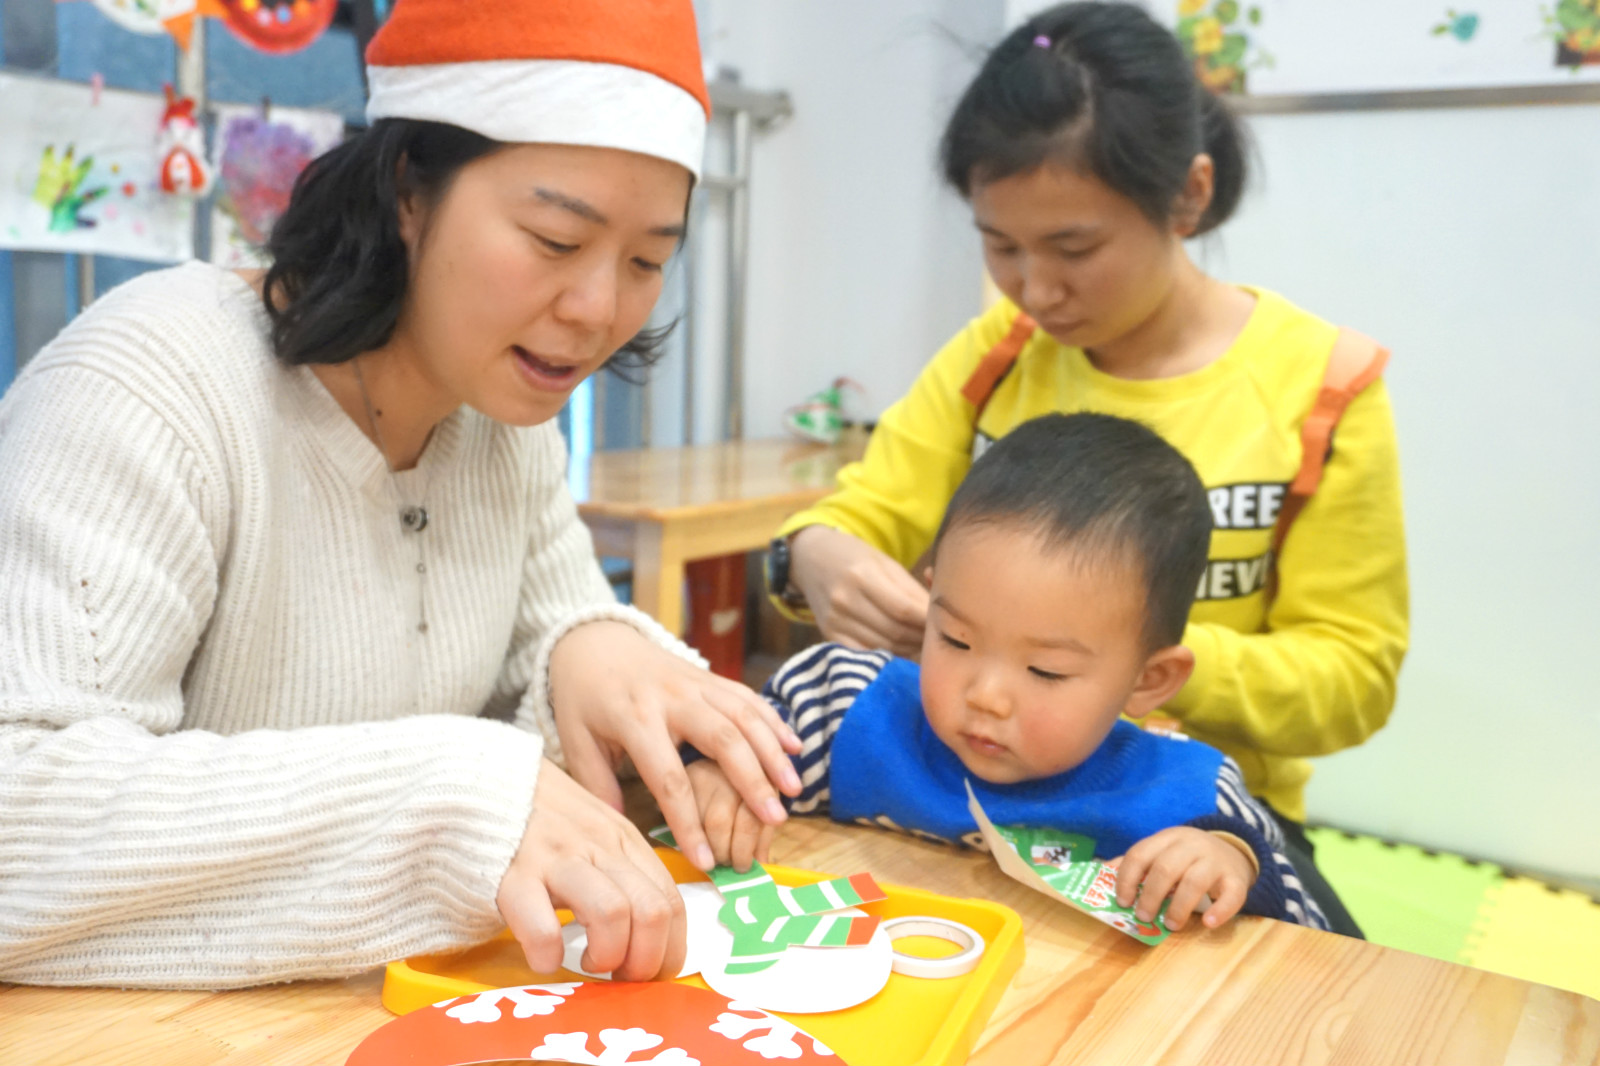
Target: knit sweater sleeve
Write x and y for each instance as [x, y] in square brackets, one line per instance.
[563, 587]
[1278, 891]
[136, 853]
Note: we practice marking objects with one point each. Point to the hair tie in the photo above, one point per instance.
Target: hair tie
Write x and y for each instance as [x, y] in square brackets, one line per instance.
[1041, 41]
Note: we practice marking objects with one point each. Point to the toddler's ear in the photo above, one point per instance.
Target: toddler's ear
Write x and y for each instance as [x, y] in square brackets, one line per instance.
[1165, 672]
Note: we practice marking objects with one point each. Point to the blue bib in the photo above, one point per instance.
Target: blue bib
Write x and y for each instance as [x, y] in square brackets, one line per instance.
[887, 764]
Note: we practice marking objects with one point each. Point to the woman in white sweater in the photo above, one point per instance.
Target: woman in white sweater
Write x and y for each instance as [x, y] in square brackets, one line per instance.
[297, 619]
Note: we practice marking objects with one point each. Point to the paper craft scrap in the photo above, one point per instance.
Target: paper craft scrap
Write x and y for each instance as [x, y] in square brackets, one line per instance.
[765, 920]
[806, 980]
[1072, 874]
[638, 1022]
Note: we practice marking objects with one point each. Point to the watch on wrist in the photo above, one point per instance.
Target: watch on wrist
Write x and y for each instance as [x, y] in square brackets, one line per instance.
[777, 568]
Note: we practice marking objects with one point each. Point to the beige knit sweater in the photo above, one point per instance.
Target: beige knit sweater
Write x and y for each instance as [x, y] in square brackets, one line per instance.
[227, 753]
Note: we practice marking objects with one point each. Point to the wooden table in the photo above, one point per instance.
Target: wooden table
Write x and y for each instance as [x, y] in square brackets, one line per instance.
[664, 507]
[1254, 992]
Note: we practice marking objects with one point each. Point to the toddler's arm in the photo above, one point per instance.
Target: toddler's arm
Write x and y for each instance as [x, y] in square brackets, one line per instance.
[811, 692]
[1241, 826]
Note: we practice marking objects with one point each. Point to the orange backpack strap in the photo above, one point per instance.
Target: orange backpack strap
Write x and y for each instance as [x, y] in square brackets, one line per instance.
[996, 364]
[1355, 362]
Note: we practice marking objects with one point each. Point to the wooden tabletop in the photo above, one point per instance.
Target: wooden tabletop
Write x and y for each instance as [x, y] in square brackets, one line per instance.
[709, 479]
[1253, 992]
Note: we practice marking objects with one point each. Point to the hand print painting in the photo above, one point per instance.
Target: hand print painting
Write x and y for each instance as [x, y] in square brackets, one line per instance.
[81, 174]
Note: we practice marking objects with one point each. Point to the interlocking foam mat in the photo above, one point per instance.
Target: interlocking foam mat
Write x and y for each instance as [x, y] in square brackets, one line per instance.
[1447, 907]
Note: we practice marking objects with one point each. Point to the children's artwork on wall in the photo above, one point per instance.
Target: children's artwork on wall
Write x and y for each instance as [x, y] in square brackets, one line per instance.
[1574, 26]
[278, 25]
[182, 149]
[258, 158]
[1220, 37]
[159, 16]
[1291, 48]
[80, 172]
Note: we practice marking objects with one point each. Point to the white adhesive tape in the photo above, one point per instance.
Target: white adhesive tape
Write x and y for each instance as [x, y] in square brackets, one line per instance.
[962, 962]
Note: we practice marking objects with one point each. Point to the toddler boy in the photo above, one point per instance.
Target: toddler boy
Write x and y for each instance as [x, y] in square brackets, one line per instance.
[1061, 582]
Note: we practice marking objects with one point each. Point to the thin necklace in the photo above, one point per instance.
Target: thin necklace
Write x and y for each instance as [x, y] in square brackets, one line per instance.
[413, 516]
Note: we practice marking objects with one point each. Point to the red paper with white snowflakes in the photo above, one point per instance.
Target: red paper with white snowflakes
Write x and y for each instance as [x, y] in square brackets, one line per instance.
[592, 1022]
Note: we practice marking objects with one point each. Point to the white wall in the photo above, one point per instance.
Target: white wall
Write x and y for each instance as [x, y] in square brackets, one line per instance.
[1469, 241]
[862, 264]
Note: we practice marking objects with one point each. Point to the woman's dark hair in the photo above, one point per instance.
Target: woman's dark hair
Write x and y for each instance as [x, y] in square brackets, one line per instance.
[339, 268]
[1103, 87]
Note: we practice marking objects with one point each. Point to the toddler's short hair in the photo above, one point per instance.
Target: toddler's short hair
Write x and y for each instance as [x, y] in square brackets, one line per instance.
[1101, 487]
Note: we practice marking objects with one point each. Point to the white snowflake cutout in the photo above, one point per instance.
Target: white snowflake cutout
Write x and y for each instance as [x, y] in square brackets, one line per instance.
[779, 1041]
[619, 1046]
[526, 1001]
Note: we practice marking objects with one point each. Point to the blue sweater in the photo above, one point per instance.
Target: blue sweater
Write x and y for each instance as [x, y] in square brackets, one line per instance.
[870, 756]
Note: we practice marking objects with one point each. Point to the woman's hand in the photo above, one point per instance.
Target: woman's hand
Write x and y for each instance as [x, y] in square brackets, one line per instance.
[737, 836]
[614, 692]
[578, 853]
[1186, 864]
[860, 597]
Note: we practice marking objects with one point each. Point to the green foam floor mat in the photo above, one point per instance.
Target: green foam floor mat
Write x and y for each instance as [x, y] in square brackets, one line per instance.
[1404, 897]
[1446, 907]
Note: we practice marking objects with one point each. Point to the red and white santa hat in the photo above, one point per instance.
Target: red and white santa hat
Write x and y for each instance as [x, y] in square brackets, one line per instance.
[607, 73]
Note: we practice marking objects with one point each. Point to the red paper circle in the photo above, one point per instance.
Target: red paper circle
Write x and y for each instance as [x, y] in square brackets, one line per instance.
[279, 25]
[627, 1022]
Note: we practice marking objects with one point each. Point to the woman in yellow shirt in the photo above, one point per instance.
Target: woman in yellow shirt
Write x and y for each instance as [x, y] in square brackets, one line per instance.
[1089, 154]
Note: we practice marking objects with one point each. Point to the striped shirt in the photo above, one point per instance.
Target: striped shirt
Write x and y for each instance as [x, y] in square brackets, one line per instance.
[815, 691]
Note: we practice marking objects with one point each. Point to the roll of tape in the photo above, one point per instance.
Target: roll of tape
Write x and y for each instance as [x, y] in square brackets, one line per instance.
[965, 938]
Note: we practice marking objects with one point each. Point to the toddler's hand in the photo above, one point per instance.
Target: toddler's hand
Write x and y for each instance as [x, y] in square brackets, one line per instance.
[737, 837]
[1186, 864]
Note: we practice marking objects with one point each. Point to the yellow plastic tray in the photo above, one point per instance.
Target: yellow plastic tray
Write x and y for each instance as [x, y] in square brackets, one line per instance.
[912, 1022]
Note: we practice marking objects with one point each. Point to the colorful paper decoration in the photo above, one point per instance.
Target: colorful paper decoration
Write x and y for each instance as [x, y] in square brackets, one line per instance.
[764, 921]
[81, 176]
[807, 980]
[1063, 866]
[779, 947]
[594, 1022]
[182, 147]
[765, 918]
[278, 25]
[160, 16]
[258, 158]
[821, 416]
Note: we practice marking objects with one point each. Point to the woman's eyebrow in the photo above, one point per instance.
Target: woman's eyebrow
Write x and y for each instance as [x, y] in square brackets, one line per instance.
[1059, 235]
[589, 213]
[586, 211]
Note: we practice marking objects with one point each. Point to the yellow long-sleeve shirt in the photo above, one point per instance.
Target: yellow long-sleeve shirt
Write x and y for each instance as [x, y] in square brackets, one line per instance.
[1309, 674]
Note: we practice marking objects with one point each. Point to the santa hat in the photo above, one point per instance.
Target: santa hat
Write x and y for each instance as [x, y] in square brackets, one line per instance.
[608, 73]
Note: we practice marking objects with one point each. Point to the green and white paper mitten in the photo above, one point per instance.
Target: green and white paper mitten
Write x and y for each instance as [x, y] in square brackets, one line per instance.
[1062, 865]
[765, 921]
